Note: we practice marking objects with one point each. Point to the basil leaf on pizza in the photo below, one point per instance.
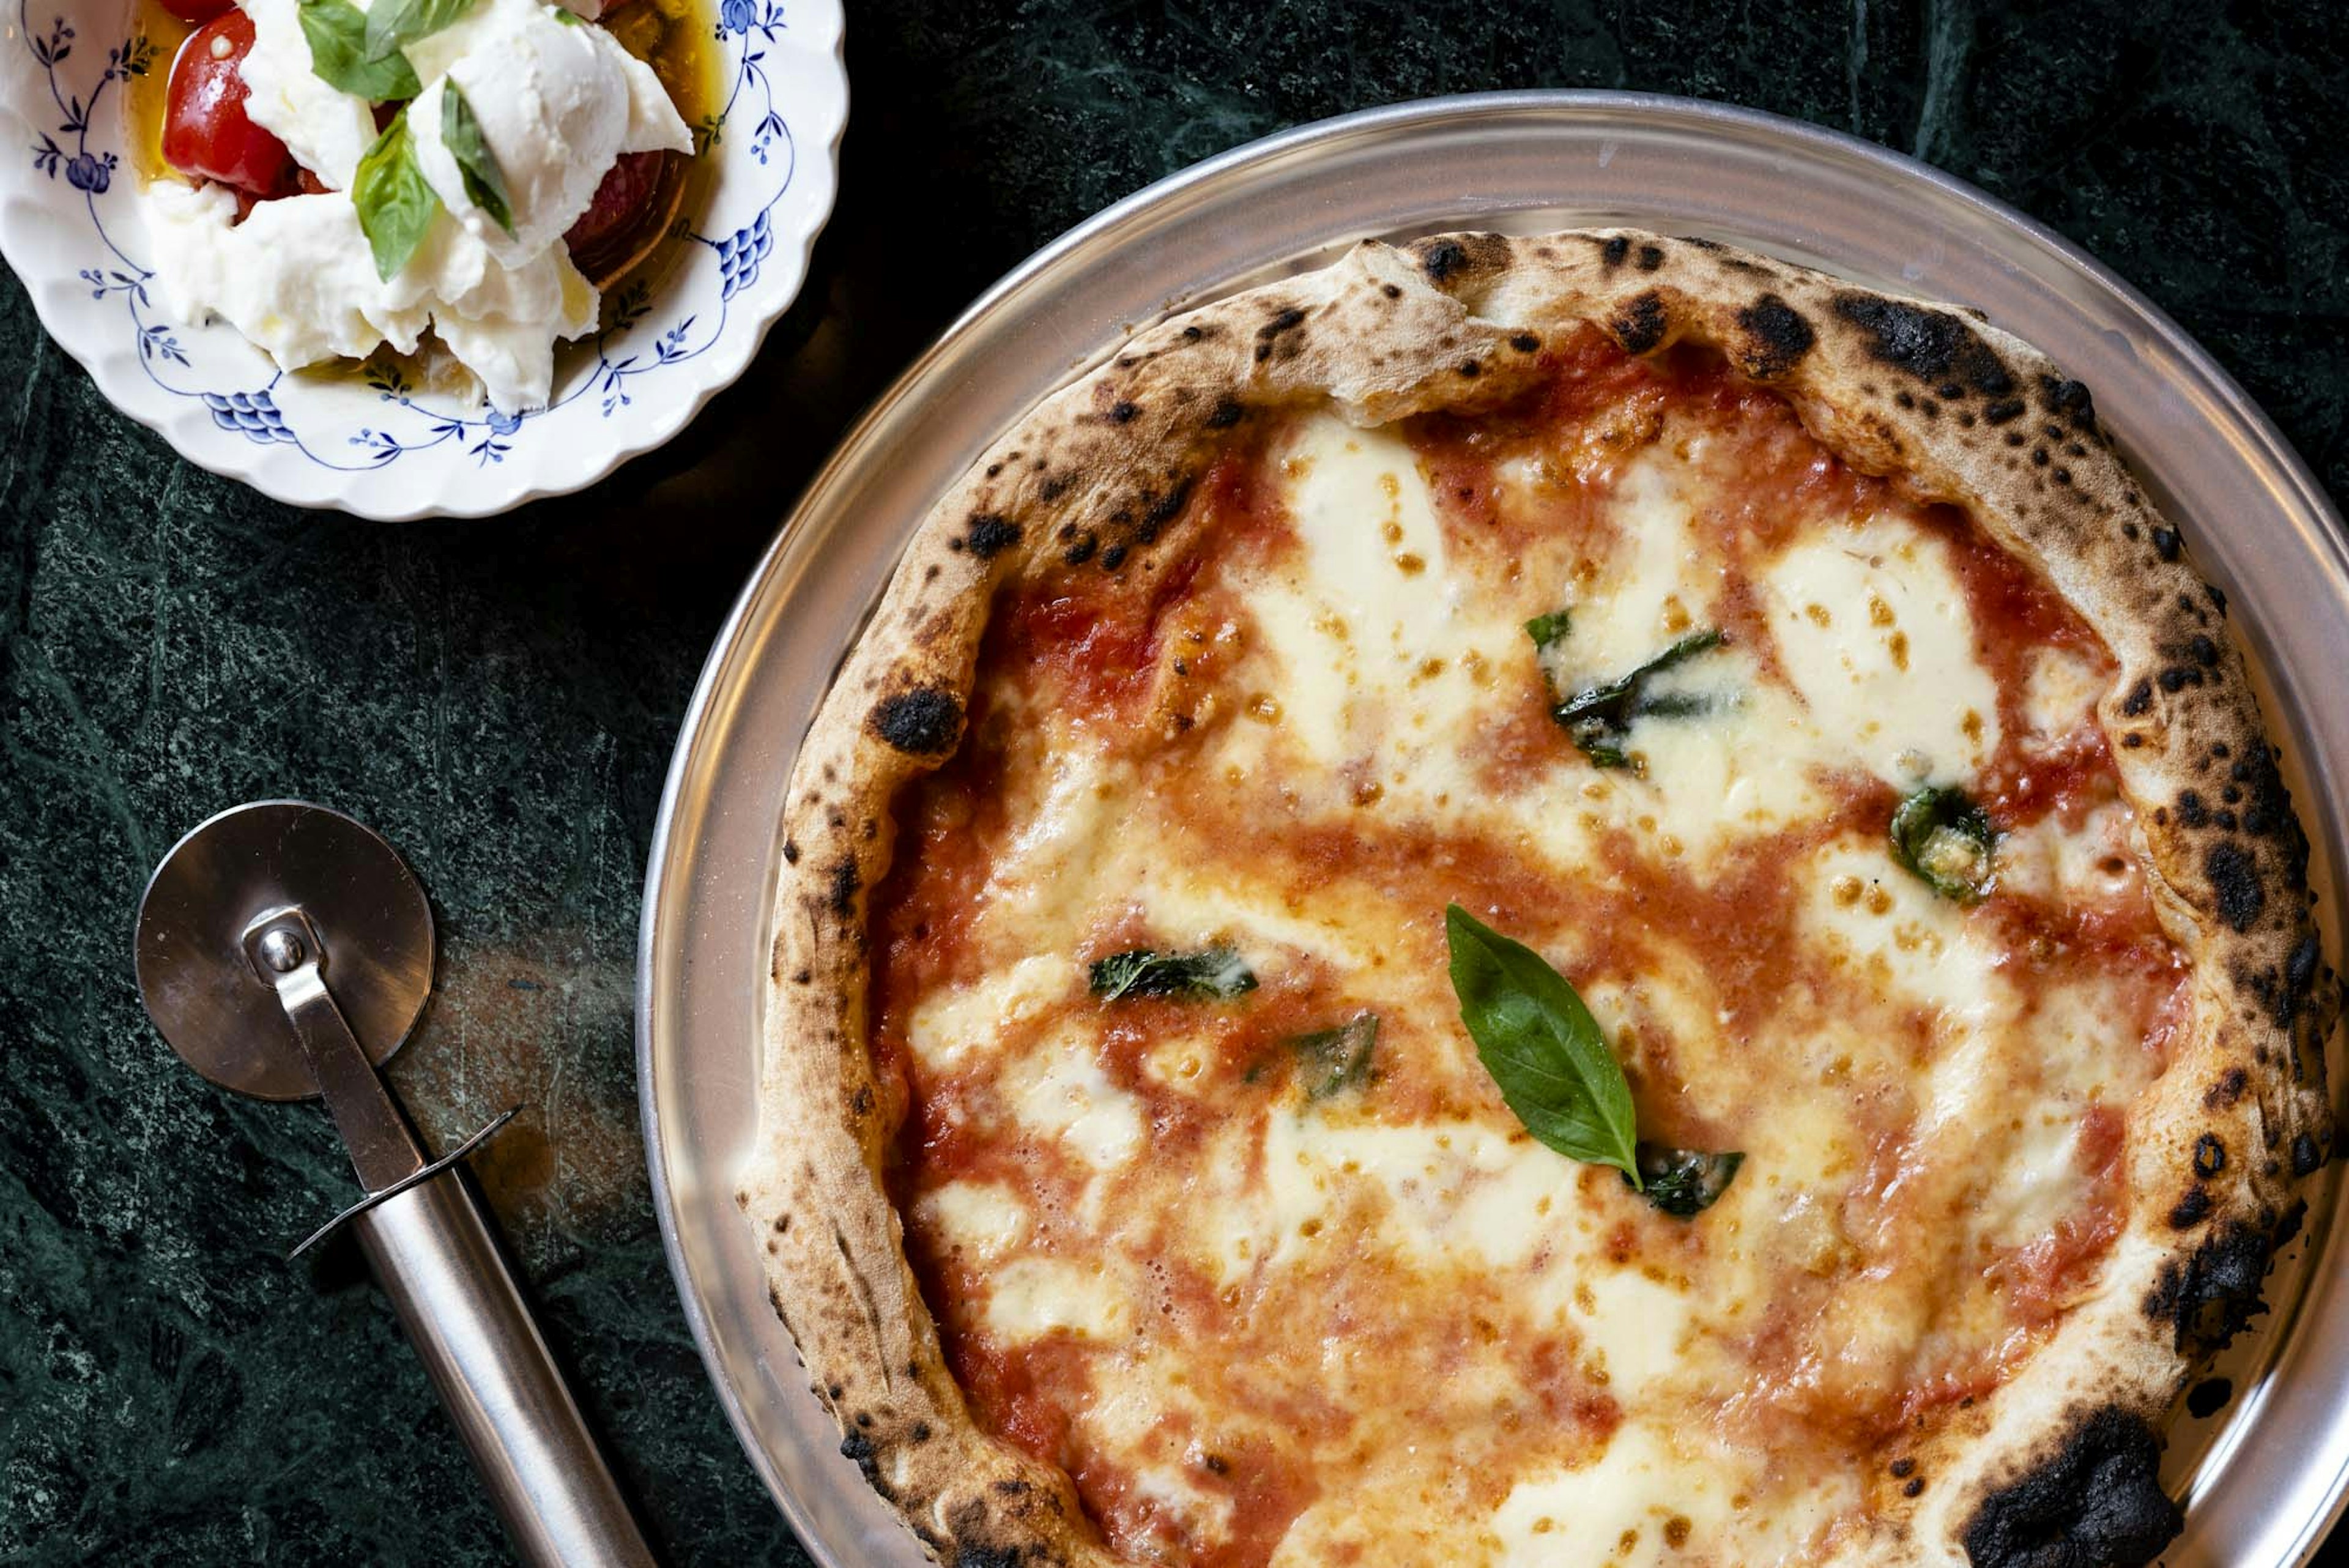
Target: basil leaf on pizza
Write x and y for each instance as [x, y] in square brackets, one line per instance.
[1945, 839]
[1549, 630]
[1683, 1182]
[1598, 718]
[1331, 1062]
[1541, 1045]
[1216, 973]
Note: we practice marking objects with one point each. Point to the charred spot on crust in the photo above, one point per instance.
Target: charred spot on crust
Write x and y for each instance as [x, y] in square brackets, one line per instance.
[1124, 412]
[2306, 1156]
[2190, 1211]
[1641, 324]
[2269, 812]
[1227, 412]
[2190, 809]
[2097, 1502]
[1653, 257]
[1526, 343]
[985, 1556]
[2165, 544]
[1114, 557]
[845, 881]
[2234, 878]
[1614, 249]
[923, 722]
[858, 1446]
[2209, 1297]
[2209, 1156]
[1934, 347]
[1081, 551]
[1290, 318]
[1776, 337]
[991, 533]
[2068, 401]
[1444, 258]
[2138, 700]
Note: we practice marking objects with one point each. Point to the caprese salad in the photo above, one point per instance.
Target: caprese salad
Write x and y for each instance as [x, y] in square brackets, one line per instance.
[343, 175]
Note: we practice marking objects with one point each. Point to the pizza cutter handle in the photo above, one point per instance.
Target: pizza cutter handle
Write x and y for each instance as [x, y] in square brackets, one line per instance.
[431, 1250]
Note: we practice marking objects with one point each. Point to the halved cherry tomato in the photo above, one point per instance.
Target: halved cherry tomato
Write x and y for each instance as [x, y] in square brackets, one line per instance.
[620, 203]
[197, 10]
[205, 132]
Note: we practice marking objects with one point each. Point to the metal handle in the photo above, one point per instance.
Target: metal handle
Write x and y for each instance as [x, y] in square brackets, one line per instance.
[430, 1249]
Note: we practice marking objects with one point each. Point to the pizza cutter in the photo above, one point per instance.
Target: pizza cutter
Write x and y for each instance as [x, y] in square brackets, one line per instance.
[284, 951]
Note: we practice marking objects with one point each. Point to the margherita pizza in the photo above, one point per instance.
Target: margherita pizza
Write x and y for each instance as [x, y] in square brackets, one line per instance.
[1538, 902]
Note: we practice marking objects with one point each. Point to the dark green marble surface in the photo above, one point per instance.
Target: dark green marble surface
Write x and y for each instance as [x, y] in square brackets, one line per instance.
[500, 698]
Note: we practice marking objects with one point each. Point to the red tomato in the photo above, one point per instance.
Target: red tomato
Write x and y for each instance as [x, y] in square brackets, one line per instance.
[196, 10]
[629, 187]
[205, 132]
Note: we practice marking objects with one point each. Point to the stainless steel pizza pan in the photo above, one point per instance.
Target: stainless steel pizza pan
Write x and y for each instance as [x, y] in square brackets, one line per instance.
[2267, 1475]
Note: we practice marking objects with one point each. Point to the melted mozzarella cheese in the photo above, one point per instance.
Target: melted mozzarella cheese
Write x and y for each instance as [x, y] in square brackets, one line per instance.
[1872, 625]
[1028, 1298]
[1064, 1095]
[1373, 638]
[987, 1220]
[950, 1025]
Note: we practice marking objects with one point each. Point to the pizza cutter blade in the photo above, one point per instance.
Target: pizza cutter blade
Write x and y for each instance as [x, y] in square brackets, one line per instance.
[284, 951]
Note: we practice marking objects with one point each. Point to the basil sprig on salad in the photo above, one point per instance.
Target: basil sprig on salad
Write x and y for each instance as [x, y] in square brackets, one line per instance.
[1557, 1076]
[485, 183]
[361, 52]
[393, 25]
[336, 32]
[395, 204]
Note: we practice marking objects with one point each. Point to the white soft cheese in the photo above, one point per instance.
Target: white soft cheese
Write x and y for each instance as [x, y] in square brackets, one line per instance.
[557, 104]
[325, 128]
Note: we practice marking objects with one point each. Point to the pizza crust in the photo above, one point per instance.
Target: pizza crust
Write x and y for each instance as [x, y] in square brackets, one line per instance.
[1095, 479]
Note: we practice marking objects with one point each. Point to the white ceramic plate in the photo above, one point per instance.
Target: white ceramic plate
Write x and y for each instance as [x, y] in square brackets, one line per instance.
[2264, 1478]
[71, 229]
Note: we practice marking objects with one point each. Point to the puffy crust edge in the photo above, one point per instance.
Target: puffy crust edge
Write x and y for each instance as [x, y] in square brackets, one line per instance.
[1094, 479]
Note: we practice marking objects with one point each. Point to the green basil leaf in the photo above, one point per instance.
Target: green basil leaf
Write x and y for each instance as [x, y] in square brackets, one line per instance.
[567, 18]
[1546, 629]
[395, 204]
[1332, 1061]
[336, 31]
[485, 183]
[1218, 973]
[393, 25]
[1684, 1182]
[1948, 840]
[1541, 1045]
[1599, 718]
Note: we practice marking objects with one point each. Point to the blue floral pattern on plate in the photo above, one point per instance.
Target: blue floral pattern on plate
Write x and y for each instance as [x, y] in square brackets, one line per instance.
[639, 337]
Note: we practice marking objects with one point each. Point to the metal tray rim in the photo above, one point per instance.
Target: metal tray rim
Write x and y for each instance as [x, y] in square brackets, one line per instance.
[2322, 532]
